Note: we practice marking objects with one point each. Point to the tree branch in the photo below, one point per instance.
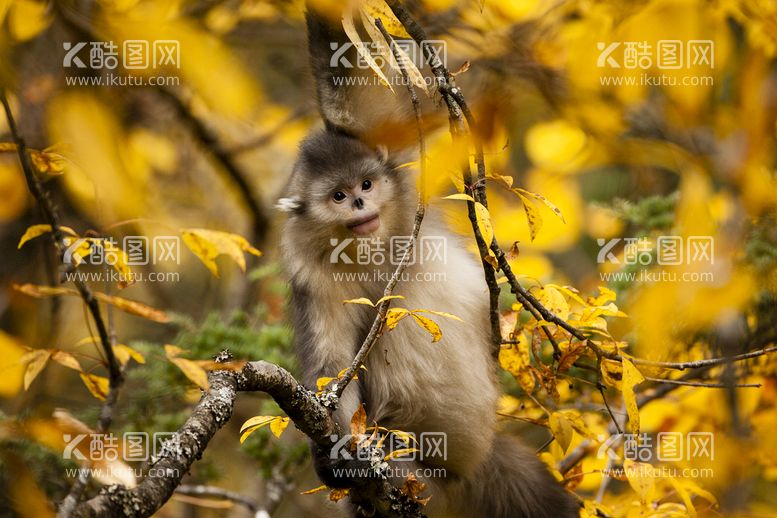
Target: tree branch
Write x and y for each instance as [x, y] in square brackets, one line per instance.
[222, 156]
[213, 411]
[376, 330]
[58, 238]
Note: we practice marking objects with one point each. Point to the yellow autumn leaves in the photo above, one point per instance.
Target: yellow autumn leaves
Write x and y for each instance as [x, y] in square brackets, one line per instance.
[206, 244]
[395, 315]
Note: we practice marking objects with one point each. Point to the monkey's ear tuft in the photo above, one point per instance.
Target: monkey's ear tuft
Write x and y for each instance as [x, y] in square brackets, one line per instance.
[383, 153]
[294, 205]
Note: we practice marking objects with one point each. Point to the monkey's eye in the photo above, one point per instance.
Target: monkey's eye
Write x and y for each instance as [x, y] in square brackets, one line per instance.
[366, 185]
[339, 196]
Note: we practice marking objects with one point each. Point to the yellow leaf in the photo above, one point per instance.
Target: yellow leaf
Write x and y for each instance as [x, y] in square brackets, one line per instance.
[577, 422]
[405, 437]
[98, 177]
[338, 494]
[66, 359]
[514, 358]
[402, 62]
[389, 297]
[394, 315]
[429, 325]
[460, 196]
[532, 216]
[359, 421]
[612, 373]
[553, 300]
[133, 307]
[98, 385]
[124, 353]
[360, 300]
[49, 161]
[231, 92]
[631, 377]
[129, 306]
[209, 244]
[641, 478]
[400, 452]
[684, 496]
[77, 249]
[562, 429]
[505, 181]
[379, 9]
[34, 290]
[278, 426]
[605, 295]
[361, 48]
[11, 353]
[543, 199]
[117, 258]
[37, 230]
[438, 313]
[194, 372]
[484, 223]
[322, 382]
[171, 351]
[256, 422]
[314, 490]
[35, 360]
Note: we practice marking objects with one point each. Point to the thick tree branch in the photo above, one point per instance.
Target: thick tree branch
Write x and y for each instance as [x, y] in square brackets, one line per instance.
[212, 412]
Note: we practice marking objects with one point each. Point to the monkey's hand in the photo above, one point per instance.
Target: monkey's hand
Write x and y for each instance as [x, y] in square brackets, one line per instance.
[340, 468]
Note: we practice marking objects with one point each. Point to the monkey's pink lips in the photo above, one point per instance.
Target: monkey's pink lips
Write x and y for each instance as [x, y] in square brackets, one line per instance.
[365, 225]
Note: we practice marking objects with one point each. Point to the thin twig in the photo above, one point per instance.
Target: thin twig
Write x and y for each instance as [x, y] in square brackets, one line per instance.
[609, 410]
[459, 131]
[702, 383]
[376, 330]
[52, 218]
[212, 491]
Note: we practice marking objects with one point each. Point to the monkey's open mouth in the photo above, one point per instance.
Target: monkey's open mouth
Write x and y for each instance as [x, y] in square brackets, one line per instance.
[365, 225]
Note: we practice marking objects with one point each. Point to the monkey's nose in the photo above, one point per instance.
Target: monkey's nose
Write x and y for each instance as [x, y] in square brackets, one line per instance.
[358, 203]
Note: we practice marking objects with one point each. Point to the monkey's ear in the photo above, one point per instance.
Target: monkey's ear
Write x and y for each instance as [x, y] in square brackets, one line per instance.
[383, 153]
[294, 205]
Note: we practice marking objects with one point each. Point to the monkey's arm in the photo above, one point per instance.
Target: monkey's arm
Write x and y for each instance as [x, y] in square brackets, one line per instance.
[325, 340]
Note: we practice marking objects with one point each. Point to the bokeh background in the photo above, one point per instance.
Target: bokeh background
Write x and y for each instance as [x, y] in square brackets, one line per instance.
[212, 148]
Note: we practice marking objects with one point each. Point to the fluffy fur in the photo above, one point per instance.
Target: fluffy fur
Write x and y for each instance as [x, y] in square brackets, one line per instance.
[410, 383]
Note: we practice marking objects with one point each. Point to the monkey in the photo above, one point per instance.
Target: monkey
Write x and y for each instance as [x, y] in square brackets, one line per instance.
[345, 191]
